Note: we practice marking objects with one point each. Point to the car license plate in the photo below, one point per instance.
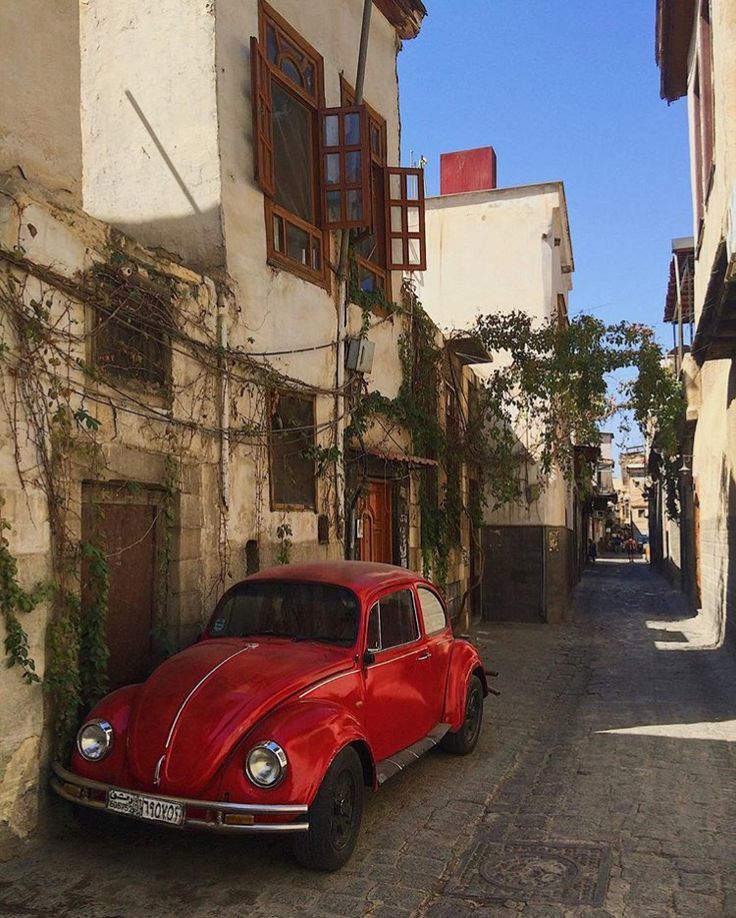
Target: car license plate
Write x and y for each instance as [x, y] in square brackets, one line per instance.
[151, 808]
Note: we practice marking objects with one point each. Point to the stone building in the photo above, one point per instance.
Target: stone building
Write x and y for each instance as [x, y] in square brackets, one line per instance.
[493, 250]
[696, 54]
[182, 353]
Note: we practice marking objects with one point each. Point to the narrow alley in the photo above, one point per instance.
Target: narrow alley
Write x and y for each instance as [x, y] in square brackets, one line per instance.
[603, 785]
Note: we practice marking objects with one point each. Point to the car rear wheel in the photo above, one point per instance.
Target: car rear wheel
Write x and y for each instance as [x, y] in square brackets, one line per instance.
[465, 739]
[335, 816]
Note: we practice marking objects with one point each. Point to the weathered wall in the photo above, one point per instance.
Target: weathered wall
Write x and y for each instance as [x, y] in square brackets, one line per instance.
[713, 401]
[149, 123]
[134, 447]
[40, 128]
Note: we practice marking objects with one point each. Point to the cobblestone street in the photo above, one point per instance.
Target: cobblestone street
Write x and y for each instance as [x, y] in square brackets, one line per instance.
[604, 784]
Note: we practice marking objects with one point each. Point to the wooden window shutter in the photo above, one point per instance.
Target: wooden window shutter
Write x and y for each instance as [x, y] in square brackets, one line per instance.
[345, 167]
[262, 122]
[406, 238]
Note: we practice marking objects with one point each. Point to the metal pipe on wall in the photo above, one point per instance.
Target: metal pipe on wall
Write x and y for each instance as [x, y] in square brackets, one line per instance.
[343, 287]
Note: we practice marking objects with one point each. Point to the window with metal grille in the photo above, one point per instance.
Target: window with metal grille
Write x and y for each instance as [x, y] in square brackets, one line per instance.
[292, 459]
[132, 322]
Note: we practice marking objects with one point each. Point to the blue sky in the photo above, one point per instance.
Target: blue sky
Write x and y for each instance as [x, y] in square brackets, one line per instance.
[562, 89]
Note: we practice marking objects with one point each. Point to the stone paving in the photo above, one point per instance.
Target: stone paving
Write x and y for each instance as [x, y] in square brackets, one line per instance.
[604, 785]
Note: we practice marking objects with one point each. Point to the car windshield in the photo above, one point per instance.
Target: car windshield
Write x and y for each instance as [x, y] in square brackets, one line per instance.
[300, 611]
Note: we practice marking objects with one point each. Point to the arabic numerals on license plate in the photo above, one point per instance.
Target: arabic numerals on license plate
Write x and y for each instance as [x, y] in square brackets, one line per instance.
[160, 810]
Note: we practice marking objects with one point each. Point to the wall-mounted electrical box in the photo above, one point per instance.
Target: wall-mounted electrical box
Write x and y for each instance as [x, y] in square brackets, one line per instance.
[359, 355]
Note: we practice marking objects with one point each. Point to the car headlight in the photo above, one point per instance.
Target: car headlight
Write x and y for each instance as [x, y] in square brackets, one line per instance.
[265, 764]
[94, 740]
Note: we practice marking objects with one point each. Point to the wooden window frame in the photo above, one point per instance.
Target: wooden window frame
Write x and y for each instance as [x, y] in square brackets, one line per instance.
[268, 17]
[275, 504]
[343, 187]
[404, 202]
[706, 100]
[380, 159]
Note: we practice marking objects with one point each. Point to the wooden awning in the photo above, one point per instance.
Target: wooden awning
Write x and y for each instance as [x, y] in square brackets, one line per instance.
[682, 262]
[715, 337]
[405, 458]
[675, 23]
[404, 15]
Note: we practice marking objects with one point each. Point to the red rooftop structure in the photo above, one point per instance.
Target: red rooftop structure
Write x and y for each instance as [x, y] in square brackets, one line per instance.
[468, 170]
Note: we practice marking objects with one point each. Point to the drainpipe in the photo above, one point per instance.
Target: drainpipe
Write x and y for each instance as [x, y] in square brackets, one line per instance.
[342, 294]
[224, 398]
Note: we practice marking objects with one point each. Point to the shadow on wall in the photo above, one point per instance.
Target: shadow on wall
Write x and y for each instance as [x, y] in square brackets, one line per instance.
[192, 236]
[727, 591]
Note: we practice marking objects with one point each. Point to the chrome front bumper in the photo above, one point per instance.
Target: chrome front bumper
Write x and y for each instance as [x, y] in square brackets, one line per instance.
[83, 790]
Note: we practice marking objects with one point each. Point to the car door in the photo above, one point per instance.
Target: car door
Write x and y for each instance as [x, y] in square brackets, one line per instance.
[438, 640]
[397, 711]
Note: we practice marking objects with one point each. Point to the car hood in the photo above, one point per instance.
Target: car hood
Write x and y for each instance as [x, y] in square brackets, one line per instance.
[199, 704]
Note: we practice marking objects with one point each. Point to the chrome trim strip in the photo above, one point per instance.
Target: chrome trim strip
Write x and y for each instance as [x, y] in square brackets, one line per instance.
[402, 656]
[397, 762]
[196, 688]
[317, 685]
[273, 809]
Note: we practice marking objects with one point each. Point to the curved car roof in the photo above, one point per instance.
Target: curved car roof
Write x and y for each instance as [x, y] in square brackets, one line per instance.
[359, 576]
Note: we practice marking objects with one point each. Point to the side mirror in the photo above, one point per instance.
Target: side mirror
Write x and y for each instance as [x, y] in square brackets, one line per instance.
[368, 658]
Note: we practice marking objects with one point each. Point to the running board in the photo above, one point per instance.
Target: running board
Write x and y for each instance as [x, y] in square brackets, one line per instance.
[396, 763]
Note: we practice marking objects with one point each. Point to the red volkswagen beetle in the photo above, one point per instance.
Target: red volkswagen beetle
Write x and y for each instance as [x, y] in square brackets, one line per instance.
[309, 682]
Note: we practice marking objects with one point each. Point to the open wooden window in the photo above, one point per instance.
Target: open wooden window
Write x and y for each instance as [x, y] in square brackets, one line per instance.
[345, 167]
[406, 245]
[287, 95]
[262, 119]
[369, 243]
[293, 482]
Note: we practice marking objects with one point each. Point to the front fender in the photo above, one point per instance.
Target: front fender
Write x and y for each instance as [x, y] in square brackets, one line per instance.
[311, 733]
[115, 709]
[464, 663]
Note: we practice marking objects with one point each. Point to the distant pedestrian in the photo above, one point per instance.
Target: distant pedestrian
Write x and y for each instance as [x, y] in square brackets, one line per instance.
[592, 551]
[630, 548]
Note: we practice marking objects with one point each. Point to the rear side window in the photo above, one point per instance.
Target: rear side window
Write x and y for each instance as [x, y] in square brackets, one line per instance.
[393, 621]
[432, 611]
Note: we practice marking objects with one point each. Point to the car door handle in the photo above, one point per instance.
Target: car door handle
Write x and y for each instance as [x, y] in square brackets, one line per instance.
[424, 656]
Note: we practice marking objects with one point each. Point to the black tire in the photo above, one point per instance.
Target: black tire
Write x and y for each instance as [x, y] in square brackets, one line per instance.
[464, 741]
[334, 817]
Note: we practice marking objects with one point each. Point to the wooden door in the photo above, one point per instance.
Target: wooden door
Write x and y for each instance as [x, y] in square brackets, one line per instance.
[376, 543]
[126, 532]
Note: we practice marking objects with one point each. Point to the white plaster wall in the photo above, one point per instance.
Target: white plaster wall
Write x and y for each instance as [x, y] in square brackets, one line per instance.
[278, 310]
[490, 252]
[149, 123]
[40, 127]
[493, 251]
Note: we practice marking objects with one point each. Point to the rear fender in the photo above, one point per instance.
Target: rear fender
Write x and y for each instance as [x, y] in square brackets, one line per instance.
[311, 733]
[464, 663]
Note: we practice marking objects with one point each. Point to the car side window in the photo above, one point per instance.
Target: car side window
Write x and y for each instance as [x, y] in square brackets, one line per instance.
[432, 611]
[398, 619]
[374, 628]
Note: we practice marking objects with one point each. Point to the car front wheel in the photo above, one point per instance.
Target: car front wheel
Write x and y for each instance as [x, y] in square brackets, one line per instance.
[335, 816]
[465, 739]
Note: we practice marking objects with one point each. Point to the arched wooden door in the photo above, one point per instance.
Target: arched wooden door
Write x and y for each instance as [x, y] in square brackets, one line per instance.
[376, 543]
